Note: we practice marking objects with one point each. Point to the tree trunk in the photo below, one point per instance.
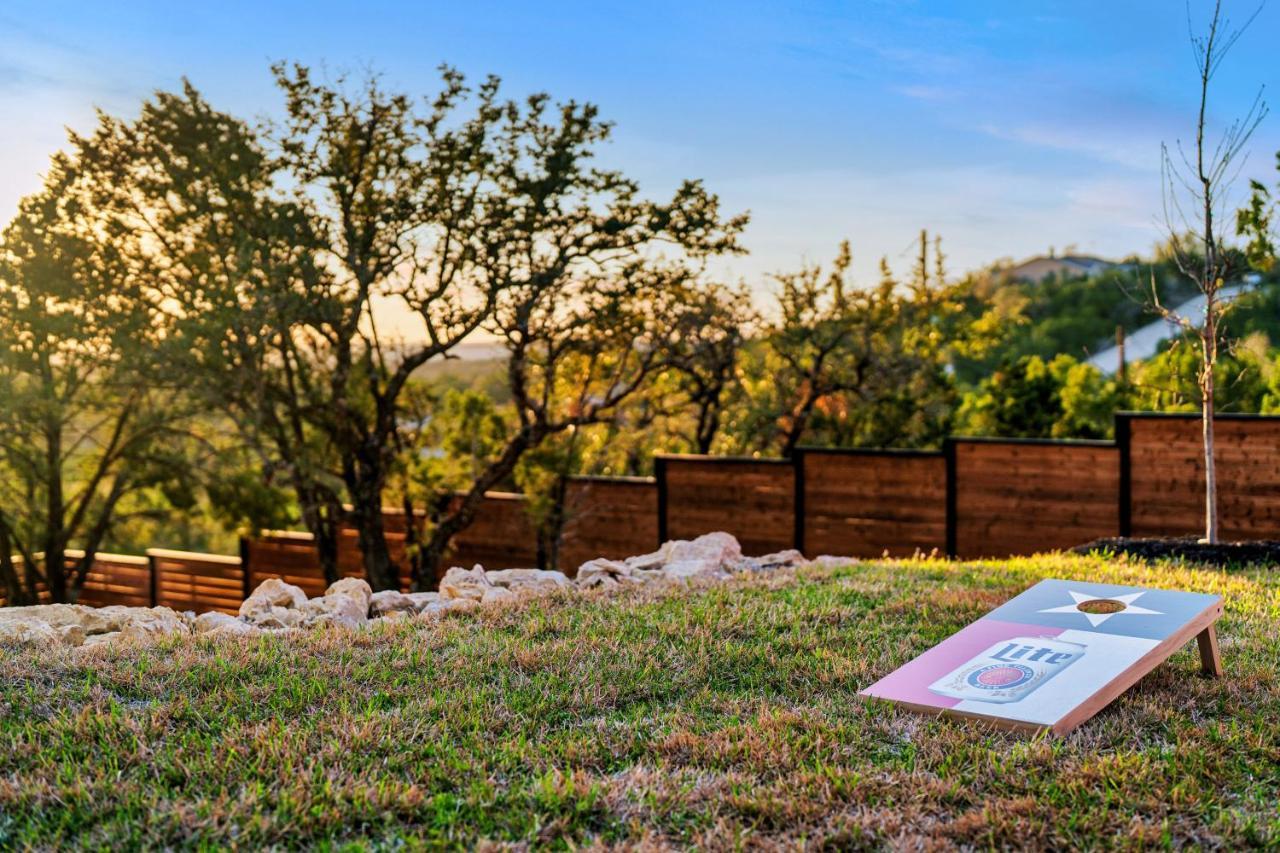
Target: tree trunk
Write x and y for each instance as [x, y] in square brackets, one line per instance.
[457, 518]
[365, 481]
[551, 531]
[323, 520]
[1210, 467]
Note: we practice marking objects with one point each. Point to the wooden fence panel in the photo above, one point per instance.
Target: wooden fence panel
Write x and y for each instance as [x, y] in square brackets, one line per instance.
[115, 579]
[286, 555]
[608, 517]
[1165, 495]
[1022, 497]
[865, 503]
[199, 582]
[501, 536]
[753, 499]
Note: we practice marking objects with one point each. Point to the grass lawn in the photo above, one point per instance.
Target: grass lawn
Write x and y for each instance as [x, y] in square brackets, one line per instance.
[722, 717]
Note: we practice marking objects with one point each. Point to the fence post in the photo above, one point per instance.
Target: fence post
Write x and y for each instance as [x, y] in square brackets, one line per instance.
[949, 453]
[151, 571]
[246, 577]
[797, 500]
[1125, 522]
[660, 478]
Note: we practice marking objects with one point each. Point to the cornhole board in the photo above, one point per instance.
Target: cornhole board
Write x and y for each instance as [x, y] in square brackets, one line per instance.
[1055, 655]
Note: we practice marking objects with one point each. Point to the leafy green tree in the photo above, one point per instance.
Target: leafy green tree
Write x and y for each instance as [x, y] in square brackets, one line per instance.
[257, 318]
[1255, 221]
[82, 432]
[1032, 398]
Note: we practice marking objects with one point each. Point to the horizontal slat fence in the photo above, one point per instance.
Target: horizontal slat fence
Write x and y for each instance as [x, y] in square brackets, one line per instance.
[977, 498]
[1022, 497]
[873, 502]
[608, 517]
[115, 579]
[753, 499]
[1164, 494]
[187, 581]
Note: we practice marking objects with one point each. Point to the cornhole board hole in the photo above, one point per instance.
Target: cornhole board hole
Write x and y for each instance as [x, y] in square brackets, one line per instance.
[1055, 655]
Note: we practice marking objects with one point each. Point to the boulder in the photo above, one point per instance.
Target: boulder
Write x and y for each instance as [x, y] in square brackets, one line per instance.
[357, 588]
[221, 625]
[337, 609]
[465, 583]
[277, 618]
[768, 562]
[271, 594]
[606, 574]
[498, 595]
[29, 632]
[153, 623]
[106, 639]
[720, 549]
[390, 601]
[422, 600]
[529, 580]
[683, 570]
[235, 628]
[213, 620]
[445, 606]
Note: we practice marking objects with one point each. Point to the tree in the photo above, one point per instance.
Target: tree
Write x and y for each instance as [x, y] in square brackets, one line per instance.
[1031, 398]
[1195, 185]
[192, 193]
[708, 338]
[81, 430]
[1255, 222]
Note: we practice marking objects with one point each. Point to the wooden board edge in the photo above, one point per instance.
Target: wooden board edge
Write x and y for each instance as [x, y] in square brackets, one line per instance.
[1140, 668]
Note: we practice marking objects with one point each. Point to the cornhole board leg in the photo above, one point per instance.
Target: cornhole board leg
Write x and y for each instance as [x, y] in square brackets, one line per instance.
[1210, 657]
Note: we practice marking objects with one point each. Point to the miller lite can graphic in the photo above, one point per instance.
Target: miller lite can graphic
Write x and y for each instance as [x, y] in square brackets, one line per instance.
[1009, 671]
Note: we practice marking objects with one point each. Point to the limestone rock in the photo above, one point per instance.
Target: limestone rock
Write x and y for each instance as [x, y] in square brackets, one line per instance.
[768, 562]
[221, 625]
[235, 628]
[498, 595]
[94, 640]
[153, 623]
[688, 569]
[422, 600]
[390, 601]
[608, 574]
[445, 606]
[336, 609]
[28, 632]
[213, 620]
[271, 594]
[277, 618]
[533, 580]
[357, 588]
[464, 583]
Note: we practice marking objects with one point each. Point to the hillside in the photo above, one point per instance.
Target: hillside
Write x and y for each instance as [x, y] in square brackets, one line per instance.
[719, 717]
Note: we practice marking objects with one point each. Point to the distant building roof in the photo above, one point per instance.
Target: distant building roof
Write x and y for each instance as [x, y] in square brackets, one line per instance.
[1044, 266]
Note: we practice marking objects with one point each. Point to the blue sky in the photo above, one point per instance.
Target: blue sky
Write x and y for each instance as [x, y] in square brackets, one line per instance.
[1006, 127]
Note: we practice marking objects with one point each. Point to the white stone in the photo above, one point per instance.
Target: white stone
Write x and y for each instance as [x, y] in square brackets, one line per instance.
[687, 569]
[270, 594]
[357, 588]
[206, 622]
[498, 595]
[602, 572]
[465, 583]
[390, 601]
[422, 600]
[337, 609]
[539, 580]
[29, 632]
[278, 618]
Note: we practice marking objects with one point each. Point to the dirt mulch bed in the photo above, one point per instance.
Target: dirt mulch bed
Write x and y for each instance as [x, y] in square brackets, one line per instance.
[1265, 551]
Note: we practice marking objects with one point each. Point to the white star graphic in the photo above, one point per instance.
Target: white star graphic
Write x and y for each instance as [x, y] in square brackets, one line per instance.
[1096, 619]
